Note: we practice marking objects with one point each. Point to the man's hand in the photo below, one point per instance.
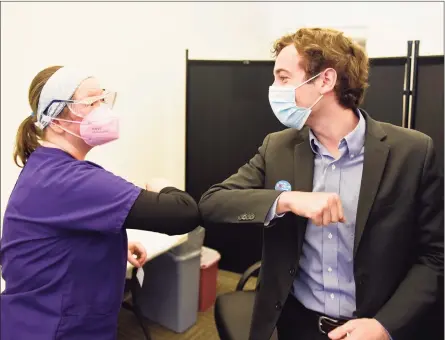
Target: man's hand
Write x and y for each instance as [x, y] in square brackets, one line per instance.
[321, 207]
[360, 329]
[157, 184]
[138, 250]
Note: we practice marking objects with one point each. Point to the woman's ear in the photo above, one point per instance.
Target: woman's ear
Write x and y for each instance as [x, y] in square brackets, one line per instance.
[57, 125]
[54, 125]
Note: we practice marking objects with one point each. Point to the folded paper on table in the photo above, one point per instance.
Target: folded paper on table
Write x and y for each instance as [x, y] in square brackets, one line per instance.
[155, 243]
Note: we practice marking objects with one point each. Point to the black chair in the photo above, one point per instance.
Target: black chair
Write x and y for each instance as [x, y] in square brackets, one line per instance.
[233, 311]
[132, 285]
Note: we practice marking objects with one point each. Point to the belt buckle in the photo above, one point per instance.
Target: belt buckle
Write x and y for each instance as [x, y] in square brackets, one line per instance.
[320, 323]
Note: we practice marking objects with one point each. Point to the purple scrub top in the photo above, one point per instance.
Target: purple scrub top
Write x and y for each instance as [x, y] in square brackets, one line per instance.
[63, 250]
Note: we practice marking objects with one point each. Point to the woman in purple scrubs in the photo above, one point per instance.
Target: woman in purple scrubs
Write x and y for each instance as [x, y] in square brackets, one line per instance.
[64, 244]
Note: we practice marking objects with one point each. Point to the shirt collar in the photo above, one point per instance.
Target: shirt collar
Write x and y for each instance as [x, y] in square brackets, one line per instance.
[354, 140]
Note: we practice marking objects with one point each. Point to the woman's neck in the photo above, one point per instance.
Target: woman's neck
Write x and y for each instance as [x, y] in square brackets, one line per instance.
[67, 147]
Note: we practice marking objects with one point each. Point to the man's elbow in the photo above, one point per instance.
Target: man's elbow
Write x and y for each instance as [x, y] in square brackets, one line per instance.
[207, 200]
[205, 207]
[205, 197]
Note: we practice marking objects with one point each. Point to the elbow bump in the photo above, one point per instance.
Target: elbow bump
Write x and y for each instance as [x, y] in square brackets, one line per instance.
[195, 215]
[191, 216]
[208, 195]
[205, 202]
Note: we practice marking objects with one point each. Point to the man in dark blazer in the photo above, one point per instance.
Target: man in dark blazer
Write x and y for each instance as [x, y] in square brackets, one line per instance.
[352, 208]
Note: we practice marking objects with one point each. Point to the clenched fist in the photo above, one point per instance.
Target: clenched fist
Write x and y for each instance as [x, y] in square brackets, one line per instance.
[322, 208]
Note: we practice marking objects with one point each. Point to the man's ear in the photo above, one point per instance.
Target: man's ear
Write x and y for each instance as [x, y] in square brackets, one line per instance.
[328, 80]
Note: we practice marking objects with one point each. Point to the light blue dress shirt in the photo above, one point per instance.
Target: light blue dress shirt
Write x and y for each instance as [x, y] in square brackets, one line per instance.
[325, 283]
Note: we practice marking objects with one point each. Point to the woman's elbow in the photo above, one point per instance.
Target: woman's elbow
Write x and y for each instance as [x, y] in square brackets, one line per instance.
[190, 219]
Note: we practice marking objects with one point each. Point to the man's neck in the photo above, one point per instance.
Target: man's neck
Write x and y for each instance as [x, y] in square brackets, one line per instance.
[332, 126]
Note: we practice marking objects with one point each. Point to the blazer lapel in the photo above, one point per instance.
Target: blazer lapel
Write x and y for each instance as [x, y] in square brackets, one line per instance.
[375, 157]
[303, 178]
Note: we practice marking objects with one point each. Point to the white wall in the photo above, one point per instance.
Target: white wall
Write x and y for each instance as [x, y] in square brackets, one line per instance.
[138, 49]
[387, 25]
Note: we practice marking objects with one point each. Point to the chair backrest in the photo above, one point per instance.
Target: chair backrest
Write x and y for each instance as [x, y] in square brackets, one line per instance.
[251, 271]
[258, 280]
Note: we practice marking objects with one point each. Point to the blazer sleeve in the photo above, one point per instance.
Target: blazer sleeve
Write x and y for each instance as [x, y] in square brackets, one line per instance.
[419, 290]
[171, 211]
[241, 198]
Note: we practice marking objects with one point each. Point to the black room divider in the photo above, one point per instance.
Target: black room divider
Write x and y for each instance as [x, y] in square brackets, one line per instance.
[228, 116]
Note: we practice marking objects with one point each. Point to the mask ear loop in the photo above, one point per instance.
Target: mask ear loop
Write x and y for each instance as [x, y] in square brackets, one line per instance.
[319, 98]
[307, 81]
[66, 120]
[64, 129]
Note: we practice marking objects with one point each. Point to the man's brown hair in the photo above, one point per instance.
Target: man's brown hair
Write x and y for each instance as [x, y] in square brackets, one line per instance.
[322, 48]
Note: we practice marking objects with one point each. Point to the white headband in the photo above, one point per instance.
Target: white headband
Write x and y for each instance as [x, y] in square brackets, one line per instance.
[60, 86]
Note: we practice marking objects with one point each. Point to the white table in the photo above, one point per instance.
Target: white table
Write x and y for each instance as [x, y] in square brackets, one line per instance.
[154, 243]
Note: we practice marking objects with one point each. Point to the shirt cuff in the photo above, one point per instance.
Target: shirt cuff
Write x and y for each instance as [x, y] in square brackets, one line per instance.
[272, 214]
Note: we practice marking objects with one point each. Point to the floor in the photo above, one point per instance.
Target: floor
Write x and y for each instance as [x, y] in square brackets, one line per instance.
[204, 329]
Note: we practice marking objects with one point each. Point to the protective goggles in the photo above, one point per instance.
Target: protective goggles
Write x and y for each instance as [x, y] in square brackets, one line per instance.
[84, 106]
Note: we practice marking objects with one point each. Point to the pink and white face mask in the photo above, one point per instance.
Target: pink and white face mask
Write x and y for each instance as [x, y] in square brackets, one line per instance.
[99, 127]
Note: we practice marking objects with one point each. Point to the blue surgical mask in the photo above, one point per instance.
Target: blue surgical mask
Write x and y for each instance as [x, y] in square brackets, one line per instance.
[282, 101]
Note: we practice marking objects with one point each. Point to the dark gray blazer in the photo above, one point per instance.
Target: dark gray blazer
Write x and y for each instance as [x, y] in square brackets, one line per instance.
[398, 247]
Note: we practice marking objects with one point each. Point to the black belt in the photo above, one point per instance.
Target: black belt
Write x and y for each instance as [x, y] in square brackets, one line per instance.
[327, 324]
[324, 323]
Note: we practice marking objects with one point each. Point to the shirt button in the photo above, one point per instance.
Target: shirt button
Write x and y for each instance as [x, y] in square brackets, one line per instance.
[332, 296]
[292, 271]
[278, 306]
[330, 236]
[352, 156]
[329, 269]
[333, 167]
